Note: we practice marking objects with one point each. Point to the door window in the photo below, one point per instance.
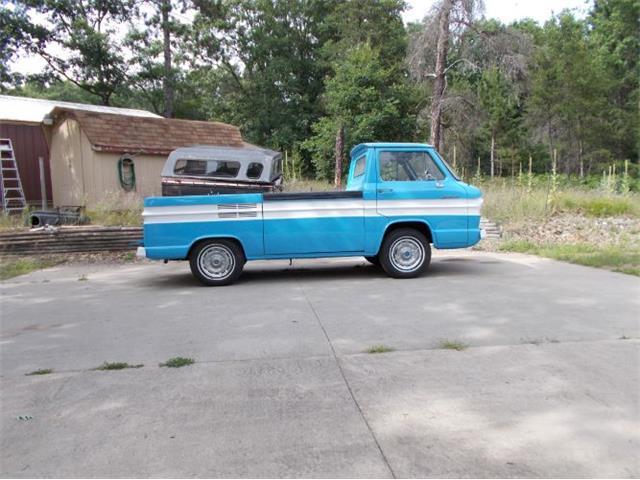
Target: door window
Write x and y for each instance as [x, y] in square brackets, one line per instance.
[408, 167]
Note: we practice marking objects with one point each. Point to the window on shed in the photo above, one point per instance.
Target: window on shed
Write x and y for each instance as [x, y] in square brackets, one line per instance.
[207, 168]
[408, 166]
[254, 170]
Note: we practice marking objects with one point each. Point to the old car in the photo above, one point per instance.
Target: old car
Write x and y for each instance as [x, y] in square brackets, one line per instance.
[210, 170]
[400, 199]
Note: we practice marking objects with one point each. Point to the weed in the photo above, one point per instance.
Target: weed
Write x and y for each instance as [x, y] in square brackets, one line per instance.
[117, 366]
[177, 362]
[624, 337]
[83, 278]
[123, 209]
[13, 268]
[453, 345]
[379, 349]
[41, 371]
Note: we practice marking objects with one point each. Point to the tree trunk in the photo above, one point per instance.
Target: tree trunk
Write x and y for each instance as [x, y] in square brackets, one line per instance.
[167, 80]
[339, 154]
[493, 149]
[442, 48]
[581, 160]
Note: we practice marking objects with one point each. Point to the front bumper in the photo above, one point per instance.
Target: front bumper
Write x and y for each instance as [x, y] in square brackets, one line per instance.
[141, 252]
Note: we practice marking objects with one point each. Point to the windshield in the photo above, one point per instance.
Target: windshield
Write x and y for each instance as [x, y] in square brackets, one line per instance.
[451, 170]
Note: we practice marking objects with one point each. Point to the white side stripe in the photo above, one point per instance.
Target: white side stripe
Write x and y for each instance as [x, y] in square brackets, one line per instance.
[311, 209]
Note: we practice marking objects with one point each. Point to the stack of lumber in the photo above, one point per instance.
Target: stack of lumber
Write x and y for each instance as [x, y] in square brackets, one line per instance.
[48, 240]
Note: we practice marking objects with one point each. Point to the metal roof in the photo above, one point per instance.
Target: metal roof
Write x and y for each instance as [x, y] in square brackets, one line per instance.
[34, 110]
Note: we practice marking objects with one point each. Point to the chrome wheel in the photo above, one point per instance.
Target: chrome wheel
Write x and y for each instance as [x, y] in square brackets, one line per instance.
[406, 254]
[216, 262]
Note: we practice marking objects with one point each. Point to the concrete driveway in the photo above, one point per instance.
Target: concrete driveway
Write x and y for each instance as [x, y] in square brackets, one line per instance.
[549, 384]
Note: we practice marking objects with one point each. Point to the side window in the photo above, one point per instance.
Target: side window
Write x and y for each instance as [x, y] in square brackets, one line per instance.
[361, 163]
[254, 170]
[276, 167]
[408, 167]
[207, 168]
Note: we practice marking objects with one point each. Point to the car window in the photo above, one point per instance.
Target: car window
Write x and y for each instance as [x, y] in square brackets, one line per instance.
[360, 166]
[207, 168]
[408, 166]
[276, 168]
[254, 170]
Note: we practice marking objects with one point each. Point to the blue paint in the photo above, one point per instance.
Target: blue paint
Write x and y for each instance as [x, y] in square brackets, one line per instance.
[323, 236]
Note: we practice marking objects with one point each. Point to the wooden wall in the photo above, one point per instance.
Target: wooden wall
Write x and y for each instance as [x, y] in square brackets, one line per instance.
[83, 176]
[29, 143]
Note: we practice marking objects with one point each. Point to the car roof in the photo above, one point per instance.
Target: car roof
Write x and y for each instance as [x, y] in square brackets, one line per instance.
[363, 146]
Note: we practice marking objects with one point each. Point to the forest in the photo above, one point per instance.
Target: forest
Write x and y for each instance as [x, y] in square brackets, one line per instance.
[313, 78]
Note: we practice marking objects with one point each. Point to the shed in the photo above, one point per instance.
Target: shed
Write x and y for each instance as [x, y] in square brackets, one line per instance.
[86, 148]
[83, 144]
[23, 120]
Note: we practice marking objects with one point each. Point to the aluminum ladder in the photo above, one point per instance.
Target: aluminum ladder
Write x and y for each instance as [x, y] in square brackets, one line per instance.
[13, 199]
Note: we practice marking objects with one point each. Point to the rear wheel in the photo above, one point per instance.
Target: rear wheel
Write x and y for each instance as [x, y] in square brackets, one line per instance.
[373, 260]
[217, 262]
[405, 253]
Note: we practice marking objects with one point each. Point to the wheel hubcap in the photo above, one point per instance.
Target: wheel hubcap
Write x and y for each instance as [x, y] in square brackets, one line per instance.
[407, 254]
[216, 262]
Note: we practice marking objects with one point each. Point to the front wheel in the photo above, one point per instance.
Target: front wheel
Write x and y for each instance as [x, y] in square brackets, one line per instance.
[217, 262]
[405, 253]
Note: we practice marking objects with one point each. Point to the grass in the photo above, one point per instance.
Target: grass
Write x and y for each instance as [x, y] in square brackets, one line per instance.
[14, 221]
[117, 366]
[42, 371]
[379, 349]
[123, 209]
[177, 362]
[620, 258]
[506, 202]
[10, 268]
[453, 345]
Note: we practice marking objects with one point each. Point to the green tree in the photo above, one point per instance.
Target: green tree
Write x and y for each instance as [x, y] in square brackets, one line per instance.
[271, 51]
[79, 41]
[158, 61]
[568, 102]
[370, 101]
[500, 107]
[615, 39]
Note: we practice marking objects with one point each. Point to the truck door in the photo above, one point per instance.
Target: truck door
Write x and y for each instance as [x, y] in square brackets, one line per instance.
[313, 224]
[413, 186]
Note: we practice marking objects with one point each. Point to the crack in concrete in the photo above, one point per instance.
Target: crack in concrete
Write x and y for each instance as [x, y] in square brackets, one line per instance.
[346, 382]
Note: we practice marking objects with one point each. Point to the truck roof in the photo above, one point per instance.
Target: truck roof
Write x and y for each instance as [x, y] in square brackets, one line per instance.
[363, 146]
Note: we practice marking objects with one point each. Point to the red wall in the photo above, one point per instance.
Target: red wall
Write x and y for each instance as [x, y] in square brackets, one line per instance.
[29, 143]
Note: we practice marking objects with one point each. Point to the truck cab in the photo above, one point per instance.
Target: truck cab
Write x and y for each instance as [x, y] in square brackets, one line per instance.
[400, 199]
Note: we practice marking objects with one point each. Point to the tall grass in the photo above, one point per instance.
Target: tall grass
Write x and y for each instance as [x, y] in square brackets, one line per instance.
[506, 202]
[122, 209]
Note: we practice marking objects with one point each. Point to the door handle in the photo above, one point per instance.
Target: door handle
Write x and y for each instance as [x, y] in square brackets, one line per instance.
[385, 190]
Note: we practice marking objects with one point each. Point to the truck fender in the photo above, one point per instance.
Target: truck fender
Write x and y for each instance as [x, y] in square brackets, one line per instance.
[216, 237]
[417, 223]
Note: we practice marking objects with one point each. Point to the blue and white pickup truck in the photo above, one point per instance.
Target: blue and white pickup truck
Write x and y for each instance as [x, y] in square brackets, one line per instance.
[400, 198]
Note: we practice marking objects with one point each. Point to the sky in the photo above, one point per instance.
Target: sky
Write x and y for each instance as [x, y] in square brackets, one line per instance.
[508, 10]
[504, 10]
